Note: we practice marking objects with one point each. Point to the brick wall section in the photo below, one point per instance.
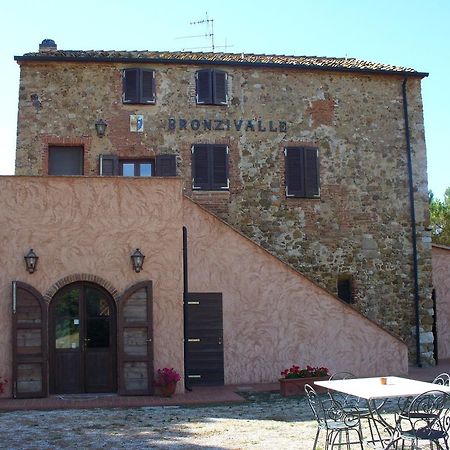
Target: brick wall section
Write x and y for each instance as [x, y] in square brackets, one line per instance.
[360, 225]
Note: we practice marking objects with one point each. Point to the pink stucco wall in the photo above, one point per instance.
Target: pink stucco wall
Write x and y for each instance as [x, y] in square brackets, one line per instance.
[91, 226]
[441, 282]
[273, 316]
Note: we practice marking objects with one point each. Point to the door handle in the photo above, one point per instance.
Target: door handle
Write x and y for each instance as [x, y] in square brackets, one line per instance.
[86, 340]
[220, 341]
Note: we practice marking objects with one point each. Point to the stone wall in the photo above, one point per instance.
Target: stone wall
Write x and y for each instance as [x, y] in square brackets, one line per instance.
[275, 316]
[361, 224]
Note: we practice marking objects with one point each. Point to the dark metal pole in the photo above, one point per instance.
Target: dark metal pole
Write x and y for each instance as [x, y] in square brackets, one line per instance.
[413, 222]
[185, 305]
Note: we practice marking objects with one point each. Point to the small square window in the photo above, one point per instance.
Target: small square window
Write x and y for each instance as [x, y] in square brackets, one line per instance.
[65, 161]
[136, 168]
[345, 288]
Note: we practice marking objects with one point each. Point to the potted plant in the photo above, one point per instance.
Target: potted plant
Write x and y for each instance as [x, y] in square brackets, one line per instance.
[166, 381]
[294, 379]
[3, 381]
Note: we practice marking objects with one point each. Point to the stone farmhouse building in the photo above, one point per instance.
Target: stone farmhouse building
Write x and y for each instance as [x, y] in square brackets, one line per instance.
[280, 203]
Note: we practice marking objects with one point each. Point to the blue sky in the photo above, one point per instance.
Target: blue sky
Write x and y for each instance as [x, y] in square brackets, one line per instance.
[410, 33]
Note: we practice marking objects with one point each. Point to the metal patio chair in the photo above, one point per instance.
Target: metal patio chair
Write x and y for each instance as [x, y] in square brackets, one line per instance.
[339, 425]
[425, 419]
[347, 401]
[442, 379]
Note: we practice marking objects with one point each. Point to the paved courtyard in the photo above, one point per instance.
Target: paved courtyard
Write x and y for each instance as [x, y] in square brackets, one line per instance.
[265, 421]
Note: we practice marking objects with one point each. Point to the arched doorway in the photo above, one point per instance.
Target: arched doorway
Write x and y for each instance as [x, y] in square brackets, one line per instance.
[82, 340]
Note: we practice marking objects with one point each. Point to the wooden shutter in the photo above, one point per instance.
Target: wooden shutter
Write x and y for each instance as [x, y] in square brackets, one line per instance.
[311, 172]
[294, 169]
[302, 172]
[147, 86]
[109, 165]
[219, 87]
[135, 340]
[204, 86]
[219, 167]
[131, 86]
[200, 167]
[166, 166]
[30, 356]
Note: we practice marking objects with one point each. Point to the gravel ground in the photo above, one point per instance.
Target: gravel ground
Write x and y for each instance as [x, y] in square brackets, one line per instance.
[265, 421]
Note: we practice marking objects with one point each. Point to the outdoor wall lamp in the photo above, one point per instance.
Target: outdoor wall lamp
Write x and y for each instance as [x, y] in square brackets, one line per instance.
[31, 260]
[100, 127]
[137, 259]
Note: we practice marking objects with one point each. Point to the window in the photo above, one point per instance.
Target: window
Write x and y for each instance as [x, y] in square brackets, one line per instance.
[211, 87]
[65, 161]
[210, 167]
[138, 86]
[136, 168]
[302, 172]
[162, 166]
[345, 288]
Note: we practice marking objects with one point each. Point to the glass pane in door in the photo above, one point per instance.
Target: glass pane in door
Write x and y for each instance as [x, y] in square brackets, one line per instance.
[67, 320]
[97, 319]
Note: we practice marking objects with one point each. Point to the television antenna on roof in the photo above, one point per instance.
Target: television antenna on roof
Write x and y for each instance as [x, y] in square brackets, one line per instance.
[209, 34]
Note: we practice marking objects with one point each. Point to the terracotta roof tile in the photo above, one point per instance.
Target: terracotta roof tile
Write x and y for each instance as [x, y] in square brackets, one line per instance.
[313, 62]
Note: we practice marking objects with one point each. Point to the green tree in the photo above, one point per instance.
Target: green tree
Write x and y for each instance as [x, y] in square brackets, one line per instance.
[440, 218]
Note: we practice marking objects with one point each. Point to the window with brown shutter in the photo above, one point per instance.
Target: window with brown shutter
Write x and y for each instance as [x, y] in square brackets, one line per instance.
[138, 86]
[211, 87]
[302, 172]
[109, 165]
[166, 165]
[210, 167]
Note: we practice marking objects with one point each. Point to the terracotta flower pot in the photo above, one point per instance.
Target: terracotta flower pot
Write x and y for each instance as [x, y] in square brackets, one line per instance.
[296, 386]
[168, 390]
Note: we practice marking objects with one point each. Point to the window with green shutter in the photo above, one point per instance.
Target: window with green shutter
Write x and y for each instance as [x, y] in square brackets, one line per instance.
[138, 86]
[302, 172]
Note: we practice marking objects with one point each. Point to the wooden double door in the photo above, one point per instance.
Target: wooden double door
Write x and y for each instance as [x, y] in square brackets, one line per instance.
[82, 340]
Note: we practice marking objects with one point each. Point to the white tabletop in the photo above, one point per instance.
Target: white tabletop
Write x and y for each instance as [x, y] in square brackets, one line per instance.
[371, 388]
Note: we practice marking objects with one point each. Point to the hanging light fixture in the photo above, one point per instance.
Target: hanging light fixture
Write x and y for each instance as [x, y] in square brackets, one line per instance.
[100, 127]
[137, 259]
[31, 260]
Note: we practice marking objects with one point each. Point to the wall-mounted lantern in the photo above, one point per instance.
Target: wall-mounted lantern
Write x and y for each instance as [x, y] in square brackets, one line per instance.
[137, 259]
[31, 260]
[100, 127]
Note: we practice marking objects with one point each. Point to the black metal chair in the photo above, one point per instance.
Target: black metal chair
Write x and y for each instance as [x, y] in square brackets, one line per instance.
[425, 418]
[339, 425]
[442, 379]
[347, 401]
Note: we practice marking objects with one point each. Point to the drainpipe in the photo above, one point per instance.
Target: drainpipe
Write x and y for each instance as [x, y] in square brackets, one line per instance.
[185, 304]
[413, 222]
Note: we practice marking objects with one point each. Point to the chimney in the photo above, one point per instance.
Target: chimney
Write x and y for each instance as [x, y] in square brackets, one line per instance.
[47, 45]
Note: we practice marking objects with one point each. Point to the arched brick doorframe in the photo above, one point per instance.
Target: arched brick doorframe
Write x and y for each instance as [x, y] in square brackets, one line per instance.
[76, 277]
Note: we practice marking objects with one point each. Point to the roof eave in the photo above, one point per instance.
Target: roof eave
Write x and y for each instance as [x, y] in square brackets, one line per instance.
[90, 59]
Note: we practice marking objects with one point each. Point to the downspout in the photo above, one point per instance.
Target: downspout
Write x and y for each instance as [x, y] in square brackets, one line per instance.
[413, 222]
[185, 305]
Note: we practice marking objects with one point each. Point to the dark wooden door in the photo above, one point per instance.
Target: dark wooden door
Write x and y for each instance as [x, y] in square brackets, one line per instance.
[204, 358]
[82, 340]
